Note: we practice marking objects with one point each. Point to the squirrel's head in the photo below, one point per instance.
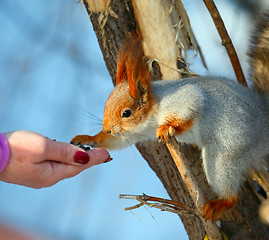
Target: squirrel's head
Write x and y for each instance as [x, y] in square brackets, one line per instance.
[130, 102]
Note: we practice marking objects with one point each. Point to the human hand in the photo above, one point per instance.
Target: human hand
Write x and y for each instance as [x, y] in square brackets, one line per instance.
[36, 161]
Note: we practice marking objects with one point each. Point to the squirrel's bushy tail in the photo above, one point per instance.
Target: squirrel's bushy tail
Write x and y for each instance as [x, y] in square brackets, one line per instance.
[259, 55]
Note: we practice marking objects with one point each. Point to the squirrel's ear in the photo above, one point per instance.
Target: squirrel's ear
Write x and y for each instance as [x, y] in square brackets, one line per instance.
[131, 66]
[121, 64]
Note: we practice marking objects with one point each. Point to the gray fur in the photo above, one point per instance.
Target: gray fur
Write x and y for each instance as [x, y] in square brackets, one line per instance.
[231, 125]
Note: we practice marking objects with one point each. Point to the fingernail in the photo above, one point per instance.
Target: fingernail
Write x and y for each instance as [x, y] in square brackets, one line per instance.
[108, 159]
[81, 157]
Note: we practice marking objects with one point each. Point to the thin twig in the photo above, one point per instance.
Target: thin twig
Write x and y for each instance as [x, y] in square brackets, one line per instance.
[160, 203]
[193, 188]
[226, 41]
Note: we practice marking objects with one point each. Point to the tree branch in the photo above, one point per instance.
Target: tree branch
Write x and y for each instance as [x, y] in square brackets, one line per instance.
[197, 195]
[226, 41]
[160, 203]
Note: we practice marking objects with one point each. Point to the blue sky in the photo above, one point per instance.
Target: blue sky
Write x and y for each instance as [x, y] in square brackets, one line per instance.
[52, 78]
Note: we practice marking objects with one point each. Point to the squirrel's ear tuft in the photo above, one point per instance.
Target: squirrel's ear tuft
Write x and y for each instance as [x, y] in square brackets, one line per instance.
[132, 66]
[121, 64]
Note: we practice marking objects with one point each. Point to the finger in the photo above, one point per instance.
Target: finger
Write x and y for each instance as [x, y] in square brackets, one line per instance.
[61, 152]
[70, 154]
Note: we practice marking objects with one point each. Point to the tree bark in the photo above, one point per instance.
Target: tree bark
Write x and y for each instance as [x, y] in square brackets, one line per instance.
[111, 25]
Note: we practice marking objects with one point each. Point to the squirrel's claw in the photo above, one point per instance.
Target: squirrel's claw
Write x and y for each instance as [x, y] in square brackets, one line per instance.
[164, 132]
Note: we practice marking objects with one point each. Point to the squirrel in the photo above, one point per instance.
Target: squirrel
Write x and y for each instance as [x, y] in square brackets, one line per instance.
[228, 121]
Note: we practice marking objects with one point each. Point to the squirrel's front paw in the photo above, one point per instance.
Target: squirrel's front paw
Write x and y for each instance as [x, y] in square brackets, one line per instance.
[164, 132]
[81, 140]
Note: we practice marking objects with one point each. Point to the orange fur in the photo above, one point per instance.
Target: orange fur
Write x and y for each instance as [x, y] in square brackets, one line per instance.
[131, 66]
[179, 125]
[172, 125]
[214, 209]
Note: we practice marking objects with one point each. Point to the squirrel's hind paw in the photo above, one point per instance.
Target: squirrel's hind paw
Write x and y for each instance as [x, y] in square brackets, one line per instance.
[214, 208]
[164, 132]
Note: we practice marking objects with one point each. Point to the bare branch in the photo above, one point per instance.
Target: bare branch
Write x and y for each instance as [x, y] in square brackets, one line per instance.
[226, 41]
[160, 203]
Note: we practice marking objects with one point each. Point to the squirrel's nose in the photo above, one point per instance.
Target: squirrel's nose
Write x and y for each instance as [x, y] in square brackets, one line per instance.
[108, 132]
[115, 129]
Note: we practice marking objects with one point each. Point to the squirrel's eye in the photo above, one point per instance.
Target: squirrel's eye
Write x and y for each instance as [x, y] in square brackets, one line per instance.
[127, 113]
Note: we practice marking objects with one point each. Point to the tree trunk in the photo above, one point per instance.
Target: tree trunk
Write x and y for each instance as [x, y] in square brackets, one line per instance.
[111, 21]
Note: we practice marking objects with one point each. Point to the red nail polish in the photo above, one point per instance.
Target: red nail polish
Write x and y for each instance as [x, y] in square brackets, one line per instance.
[81, 157]
[108, 159]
